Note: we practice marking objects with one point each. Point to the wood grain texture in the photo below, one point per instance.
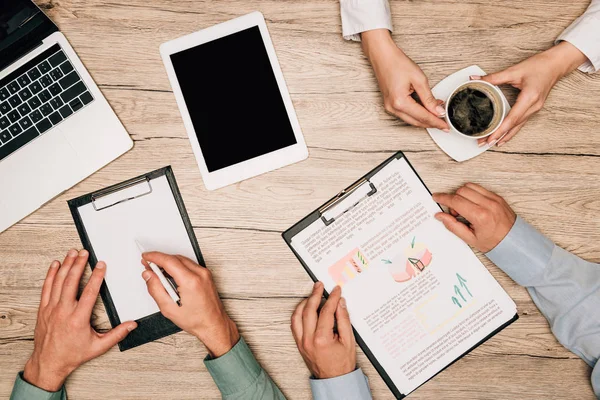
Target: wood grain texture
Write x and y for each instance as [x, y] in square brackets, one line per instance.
[548, 173]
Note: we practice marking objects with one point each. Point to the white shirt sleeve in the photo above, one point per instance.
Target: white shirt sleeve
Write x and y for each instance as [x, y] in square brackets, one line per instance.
[364, 15]
[584, 34]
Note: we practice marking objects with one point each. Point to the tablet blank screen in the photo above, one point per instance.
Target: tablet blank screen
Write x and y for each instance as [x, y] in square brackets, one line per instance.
[233, 99]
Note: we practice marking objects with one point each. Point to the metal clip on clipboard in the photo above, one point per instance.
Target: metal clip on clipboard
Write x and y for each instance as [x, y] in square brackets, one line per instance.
[129, 189]
[346, 200]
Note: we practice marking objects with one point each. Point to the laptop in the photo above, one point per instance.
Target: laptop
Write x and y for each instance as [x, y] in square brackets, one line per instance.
[56, 127]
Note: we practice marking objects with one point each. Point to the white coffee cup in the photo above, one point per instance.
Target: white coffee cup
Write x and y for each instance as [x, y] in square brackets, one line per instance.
[493, 93]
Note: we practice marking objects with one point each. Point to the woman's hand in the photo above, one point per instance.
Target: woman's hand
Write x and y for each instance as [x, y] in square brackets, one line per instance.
[399, 77]
[535, 77]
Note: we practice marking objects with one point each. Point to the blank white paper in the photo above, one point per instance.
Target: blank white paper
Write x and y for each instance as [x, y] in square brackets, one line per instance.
[154, 220]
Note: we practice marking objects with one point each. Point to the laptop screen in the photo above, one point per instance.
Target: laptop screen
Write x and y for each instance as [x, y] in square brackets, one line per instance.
[17, 18]
[23, 26]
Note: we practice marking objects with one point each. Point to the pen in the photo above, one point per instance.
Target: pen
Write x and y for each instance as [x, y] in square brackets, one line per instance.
[167, 284]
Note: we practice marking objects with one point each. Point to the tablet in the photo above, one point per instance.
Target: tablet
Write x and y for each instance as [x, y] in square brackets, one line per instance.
[234, 101]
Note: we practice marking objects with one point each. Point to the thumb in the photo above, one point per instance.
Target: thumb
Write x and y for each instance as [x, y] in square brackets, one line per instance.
[157, 291]
[114, 336]
[458, 228]
[344, 326]
[428, 99]
[497, 78]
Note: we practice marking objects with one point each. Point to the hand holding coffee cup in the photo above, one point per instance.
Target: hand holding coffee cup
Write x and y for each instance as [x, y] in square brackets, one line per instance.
[400, 79]
[534, 77]
[475, 109]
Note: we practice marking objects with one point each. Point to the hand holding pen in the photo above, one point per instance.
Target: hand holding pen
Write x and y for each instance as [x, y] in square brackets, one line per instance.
[167, 282]
[201, 312]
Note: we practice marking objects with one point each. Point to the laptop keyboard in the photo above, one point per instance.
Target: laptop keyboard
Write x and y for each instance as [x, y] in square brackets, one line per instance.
[37, 96]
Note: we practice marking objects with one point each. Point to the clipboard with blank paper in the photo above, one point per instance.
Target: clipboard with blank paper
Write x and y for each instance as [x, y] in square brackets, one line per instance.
[149, 209]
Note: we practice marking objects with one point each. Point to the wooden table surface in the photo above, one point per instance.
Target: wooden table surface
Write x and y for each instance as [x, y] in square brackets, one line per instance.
[549, 173]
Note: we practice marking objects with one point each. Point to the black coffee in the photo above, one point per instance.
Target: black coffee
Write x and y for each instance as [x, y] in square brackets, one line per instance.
[470, 111]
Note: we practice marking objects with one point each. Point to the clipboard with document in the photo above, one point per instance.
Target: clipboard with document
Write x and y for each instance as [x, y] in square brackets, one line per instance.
[418, 297]
[148, 209]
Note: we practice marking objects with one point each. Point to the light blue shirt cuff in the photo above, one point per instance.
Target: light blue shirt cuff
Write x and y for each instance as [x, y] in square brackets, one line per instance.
[352, 386]
[24, 390]
[523, 254]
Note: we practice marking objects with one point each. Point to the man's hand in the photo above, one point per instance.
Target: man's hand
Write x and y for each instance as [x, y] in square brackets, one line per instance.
[535, 77]
[201, 313]
[489, 217]
[327, 354]
[64, 338]
[399, 77]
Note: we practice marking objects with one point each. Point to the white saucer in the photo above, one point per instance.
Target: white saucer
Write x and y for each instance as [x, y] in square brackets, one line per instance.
[456, 146]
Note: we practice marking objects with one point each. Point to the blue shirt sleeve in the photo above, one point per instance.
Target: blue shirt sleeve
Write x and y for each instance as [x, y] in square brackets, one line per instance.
[352, 386]
[563, 286]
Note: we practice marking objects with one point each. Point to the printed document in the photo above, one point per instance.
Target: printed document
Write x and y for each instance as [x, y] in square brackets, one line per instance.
[417, 295]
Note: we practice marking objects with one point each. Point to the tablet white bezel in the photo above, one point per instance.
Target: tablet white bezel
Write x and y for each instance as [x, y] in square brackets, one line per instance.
[254, 166]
